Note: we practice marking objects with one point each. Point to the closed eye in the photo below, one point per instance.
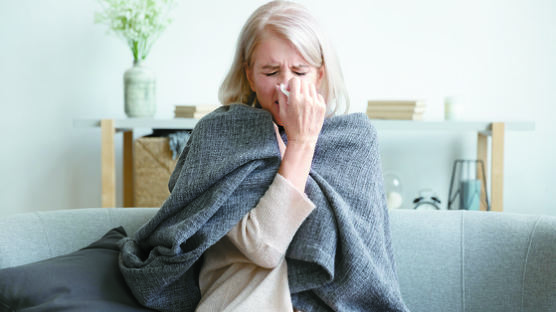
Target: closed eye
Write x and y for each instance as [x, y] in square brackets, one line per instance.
[275, 72]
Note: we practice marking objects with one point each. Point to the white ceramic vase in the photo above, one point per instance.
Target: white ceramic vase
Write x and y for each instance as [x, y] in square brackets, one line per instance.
[139, 91]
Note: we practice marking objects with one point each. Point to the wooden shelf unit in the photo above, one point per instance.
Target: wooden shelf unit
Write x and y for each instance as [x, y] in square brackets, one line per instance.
[484, 129]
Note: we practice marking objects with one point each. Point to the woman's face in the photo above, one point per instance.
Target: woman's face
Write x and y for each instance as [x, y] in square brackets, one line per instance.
[275, 61]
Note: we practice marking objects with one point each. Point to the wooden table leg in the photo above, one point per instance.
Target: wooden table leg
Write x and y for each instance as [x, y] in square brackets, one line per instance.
[482, 154]
[497, 171]
[128, 169]
[108, 164]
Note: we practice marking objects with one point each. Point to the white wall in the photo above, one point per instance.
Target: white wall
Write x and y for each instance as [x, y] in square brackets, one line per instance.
[500, 56]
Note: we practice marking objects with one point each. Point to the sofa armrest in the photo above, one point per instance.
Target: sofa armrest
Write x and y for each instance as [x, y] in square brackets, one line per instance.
[30, 237]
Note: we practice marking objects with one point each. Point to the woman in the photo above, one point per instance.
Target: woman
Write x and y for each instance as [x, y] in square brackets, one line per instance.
[268, 218]
[252, 254]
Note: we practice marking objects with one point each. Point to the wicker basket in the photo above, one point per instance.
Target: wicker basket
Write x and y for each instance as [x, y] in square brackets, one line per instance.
[152, 167]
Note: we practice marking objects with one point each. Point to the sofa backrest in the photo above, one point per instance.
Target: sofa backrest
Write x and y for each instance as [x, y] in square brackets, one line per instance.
[446, 260]
[475, 261]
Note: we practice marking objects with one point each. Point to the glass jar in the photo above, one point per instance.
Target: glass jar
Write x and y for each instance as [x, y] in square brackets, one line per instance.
[393, 189]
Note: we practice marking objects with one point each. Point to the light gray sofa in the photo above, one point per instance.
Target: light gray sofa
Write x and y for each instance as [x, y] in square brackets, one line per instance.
[446, 260]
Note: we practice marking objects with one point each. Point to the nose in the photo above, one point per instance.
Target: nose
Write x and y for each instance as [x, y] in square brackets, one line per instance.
[285, 77]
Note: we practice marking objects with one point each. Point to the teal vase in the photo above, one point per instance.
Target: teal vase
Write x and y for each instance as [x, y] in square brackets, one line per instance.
[139, 91]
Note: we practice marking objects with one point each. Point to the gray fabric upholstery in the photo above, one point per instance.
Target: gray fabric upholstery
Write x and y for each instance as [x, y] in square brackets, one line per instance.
[30, 237]
[475, 261]
[446, 260]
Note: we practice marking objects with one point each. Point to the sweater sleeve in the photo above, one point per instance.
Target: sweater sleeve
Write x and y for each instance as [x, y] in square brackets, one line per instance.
[264, 234]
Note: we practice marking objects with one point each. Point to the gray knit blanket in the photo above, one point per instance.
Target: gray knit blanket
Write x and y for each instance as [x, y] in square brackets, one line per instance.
[340, 258]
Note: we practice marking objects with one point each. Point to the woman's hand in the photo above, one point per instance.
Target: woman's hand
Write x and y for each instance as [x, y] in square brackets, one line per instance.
[302, 114]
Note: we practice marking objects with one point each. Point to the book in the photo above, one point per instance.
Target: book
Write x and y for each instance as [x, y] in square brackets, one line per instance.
[411, 103]
[193, 115]
[395, 104]
[396, 109]
[395, 115]
[380, 109]
[196, 108]
[193, 111]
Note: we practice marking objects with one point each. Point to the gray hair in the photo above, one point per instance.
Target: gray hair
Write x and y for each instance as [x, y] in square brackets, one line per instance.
[294, 23]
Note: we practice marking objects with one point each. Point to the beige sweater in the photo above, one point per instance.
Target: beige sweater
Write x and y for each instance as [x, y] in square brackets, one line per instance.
[246, 270]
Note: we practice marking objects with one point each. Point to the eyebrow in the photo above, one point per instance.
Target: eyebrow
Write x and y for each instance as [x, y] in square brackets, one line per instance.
[270, 67]
[273, 67]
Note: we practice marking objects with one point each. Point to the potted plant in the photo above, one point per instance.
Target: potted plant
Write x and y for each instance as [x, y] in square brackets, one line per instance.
[139, 23]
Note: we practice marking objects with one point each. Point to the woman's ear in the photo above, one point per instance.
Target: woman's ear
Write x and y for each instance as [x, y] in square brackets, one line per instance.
[320, 75]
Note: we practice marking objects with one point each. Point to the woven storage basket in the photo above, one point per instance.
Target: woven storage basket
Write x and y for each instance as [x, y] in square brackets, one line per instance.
[152, 167]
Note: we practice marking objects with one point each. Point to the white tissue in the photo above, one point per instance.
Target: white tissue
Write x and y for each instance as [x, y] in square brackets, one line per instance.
[283, 89]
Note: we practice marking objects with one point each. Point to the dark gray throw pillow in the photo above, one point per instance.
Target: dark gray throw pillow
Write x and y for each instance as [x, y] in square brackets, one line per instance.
[86, 280]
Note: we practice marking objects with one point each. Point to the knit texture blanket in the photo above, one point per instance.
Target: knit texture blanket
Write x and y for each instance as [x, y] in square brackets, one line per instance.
[340, 258]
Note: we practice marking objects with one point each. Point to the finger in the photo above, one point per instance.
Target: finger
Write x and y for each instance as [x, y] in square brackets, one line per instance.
[315, 98]
[322, 102]
[302, 87]
[321, 99]
[295, 86]
[313, 93]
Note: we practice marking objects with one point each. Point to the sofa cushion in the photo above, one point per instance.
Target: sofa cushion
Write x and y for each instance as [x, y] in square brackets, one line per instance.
[86, 280]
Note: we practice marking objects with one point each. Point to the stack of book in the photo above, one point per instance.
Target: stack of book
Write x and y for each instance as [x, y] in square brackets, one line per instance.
[396, 109]
[193, 111]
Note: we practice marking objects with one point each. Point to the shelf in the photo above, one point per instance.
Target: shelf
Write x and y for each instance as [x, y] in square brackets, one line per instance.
[459, 126]
[380, 124]
[138, 123]
[483, 129]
